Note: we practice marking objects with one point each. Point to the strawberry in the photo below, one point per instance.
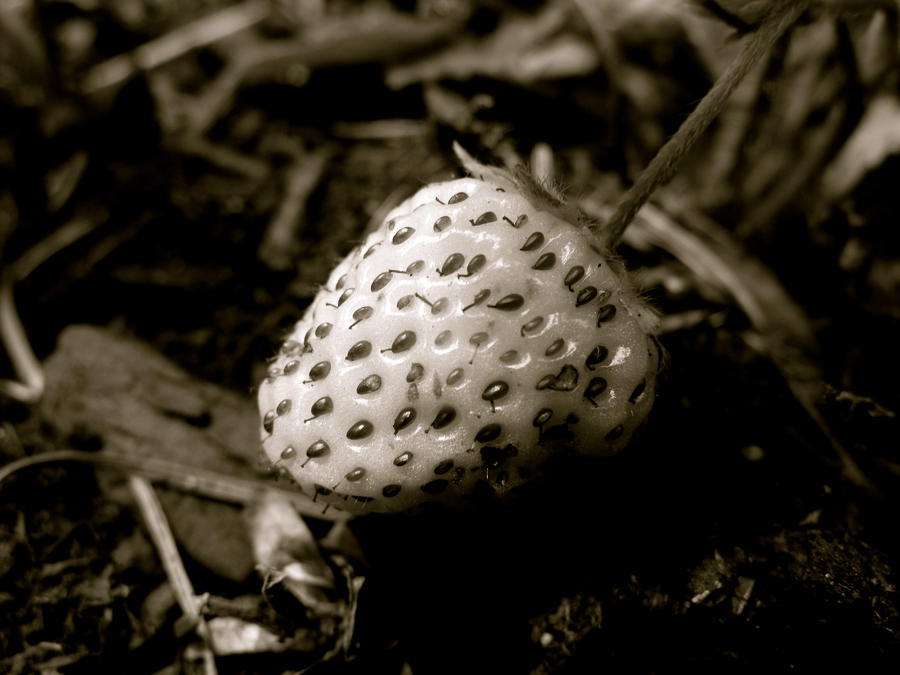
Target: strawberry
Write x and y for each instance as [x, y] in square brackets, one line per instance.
[473, 336]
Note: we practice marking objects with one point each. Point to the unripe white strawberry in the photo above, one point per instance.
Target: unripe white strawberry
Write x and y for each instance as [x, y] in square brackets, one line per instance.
[471, 338]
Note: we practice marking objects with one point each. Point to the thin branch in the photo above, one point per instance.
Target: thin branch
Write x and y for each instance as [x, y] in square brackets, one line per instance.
[666, 162]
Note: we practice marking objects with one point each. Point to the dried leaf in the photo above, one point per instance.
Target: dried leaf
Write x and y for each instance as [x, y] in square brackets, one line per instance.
[137, 403]
[230, 635]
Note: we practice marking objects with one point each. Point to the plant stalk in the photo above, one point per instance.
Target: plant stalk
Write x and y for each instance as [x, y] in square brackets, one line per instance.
[663, 166]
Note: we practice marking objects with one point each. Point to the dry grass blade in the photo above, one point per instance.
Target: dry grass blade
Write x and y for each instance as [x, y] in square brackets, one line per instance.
[220, 156]
[161, 534]
[177, 42]
[195, 480]
[157, 525]
[524, 49]
[377, 36]
[782, 324]
[67, 235]
[31, 383]
[30, 386]
[286, 553]
[279, 244]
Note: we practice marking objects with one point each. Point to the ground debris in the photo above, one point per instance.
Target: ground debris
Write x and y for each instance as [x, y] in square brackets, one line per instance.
[119, 395]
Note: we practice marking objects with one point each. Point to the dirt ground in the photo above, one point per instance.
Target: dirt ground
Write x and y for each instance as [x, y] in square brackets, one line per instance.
[178, 179]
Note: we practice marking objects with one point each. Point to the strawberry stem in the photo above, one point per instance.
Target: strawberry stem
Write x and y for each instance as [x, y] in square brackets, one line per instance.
[665, 163]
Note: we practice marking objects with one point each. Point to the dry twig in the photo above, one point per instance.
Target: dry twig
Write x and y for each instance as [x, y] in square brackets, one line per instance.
[175, 43]
[666, 162]
[279, 243]
[161, 534]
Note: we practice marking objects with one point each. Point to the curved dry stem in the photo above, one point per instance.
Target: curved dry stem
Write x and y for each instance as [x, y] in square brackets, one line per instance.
[202, 482]
[30, 386]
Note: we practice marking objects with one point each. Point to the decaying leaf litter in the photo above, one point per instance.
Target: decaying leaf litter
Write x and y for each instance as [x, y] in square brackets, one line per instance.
[179, 183]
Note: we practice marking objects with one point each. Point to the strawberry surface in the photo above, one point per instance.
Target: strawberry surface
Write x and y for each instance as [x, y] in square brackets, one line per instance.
[469, 339]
